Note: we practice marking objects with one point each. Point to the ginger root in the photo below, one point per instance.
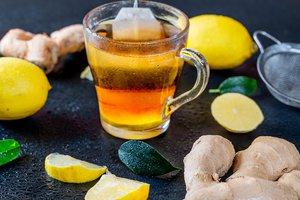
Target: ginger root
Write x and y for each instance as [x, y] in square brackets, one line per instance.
[14, 43]
[41, 49]
[69, 39]
[247, 187]
[255, 170]
[266, 158]
[291, 179]
[210, 158]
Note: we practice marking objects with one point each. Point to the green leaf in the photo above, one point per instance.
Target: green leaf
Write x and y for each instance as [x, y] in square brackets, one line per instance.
[144, 160]
[237, 84]
[9, 151]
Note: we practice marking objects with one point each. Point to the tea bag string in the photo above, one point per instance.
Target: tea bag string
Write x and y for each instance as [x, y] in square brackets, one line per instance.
[135, 5]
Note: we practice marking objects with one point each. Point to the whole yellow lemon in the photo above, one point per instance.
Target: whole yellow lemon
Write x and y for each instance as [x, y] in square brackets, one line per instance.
[23, 88]
[223, 41]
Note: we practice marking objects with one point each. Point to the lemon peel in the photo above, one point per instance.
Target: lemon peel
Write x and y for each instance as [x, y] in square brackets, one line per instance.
[23, 88]
[71, 170]
[111, 187]
[223, 41]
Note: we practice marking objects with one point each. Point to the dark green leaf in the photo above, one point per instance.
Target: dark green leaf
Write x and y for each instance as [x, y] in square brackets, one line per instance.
[237, 84]
[9, 150]
[144, 160]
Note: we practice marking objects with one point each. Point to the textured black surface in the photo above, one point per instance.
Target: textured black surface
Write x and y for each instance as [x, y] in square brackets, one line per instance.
[69, 123]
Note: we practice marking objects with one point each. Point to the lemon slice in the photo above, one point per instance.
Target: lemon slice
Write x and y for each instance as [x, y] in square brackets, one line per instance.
[236, 112]
[86, 74]
[71, 170]
[111, 187]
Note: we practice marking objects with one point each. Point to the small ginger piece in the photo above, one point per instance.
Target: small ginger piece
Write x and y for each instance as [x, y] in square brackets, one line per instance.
[42, 51]
[267, 157]
[249, 188]
[40, 48]
[291, 179]
[69, 39]
[211, 191]
[209, 159]
[14, 43]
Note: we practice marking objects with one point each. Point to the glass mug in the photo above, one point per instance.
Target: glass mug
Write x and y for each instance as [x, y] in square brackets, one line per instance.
[135, 81]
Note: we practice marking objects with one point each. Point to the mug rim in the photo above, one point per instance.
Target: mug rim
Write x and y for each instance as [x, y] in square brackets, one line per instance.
[153, 42]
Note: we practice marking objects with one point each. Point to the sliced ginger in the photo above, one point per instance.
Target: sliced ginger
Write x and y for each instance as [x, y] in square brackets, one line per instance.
[236, 112]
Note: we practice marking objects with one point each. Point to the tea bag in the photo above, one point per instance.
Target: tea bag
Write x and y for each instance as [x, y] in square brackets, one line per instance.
[136, 24]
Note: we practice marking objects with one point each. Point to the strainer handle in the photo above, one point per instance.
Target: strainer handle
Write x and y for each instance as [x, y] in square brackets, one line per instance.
[267, 35]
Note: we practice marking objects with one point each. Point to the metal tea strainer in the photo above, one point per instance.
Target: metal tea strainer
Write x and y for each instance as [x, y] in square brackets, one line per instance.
[279, 67]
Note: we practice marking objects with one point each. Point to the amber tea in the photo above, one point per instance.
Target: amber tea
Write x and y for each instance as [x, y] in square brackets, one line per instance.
[132, 89]
[136, 57]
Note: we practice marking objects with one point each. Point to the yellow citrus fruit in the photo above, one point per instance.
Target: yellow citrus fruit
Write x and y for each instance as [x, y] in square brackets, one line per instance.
[223, 41]
[111, 187]
[87, 74]
[71, 170]
[23, 88]
[236, 112]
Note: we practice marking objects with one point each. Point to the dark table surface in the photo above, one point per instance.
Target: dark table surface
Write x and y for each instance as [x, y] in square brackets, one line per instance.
[69, 122]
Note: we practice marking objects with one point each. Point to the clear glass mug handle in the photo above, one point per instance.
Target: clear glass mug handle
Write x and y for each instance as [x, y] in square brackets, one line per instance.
[202, 67]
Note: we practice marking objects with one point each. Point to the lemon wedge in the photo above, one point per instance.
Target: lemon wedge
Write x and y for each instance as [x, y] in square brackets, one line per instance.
[111, 187]
[86, 74]
[236, 112]
[71, 170]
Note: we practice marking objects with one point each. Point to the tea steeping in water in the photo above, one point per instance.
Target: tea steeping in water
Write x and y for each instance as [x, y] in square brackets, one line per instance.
[136, 76]
[133, 86]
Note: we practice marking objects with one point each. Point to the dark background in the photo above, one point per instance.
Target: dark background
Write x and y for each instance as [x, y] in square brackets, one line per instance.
[69, 122]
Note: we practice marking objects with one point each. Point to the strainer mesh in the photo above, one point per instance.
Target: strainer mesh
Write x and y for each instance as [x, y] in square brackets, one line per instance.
[282, 71]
